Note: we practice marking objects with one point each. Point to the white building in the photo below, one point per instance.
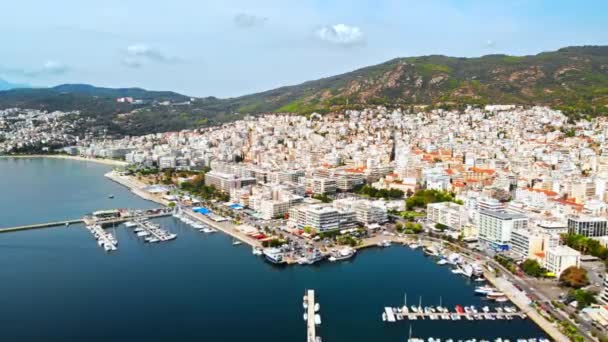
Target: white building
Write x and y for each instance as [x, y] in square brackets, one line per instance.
[495, 227]
[524, 244]
[320, 217]
[370, 212]
[448, 214]
[558, 258]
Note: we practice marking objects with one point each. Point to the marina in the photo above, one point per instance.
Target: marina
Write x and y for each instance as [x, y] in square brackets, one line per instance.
[105, 240]
[201, 278]
[152, 232]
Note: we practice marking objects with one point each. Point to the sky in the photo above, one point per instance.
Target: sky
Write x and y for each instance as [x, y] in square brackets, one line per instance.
[230, 48]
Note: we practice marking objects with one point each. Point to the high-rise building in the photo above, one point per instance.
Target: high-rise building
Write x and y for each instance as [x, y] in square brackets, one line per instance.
[495, 227]
[587, 226]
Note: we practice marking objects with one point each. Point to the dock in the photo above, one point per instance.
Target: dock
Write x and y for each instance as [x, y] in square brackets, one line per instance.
[394, 314]
[40, 225]
[312, 318]
[155, 233]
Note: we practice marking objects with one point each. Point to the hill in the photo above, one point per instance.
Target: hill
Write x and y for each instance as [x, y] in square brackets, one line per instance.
[574, 79]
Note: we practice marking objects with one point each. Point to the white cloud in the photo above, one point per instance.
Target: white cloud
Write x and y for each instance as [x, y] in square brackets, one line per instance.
[340, 34]
[245, 20]
[137, 54]
[54, 68]
[131, 62]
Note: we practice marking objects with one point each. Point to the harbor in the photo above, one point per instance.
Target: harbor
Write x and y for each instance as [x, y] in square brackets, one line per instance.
[210, 269]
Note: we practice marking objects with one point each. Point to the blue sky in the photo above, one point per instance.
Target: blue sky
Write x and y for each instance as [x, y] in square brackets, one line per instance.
[230, 48]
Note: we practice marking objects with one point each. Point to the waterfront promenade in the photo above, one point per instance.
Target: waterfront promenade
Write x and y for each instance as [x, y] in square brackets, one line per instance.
[523, 302]
[104, 161]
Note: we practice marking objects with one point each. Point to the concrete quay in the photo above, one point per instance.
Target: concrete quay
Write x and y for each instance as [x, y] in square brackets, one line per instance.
[40, 225]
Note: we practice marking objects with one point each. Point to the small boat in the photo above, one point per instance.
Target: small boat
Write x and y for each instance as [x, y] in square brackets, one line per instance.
[130, 224]
[305, 317]
[317, 307]
[384, 317]
[236, 242]
[442, 262]
[256, 251]
[111, 196]
[317, 319]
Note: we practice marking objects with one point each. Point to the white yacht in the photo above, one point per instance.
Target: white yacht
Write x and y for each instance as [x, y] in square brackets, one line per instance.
[342, 254]
[130, 224]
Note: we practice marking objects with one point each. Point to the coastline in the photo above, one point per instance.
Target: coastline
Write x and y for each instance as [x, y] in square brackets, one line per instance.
[109, 162]
[503, 285]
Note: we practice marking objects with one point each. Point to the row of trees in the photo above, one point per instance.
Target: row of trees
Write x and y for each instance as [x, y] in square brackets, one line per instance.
[197, 187]
[408, 228]
[586, 245]
[370, 191]
[421, 198]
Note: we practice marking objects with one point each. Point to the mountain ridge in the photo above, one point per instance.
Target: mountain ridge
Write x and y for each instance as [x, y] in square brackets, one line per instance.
[574, 79]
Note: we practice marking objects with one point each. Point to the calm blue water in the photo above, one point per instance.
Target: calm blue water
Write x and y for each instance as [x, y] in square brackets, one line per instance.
[57, 285]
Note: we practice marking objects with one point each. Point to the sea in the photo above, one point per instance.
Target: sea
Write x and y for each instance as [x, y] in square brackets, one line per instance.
[56, 284]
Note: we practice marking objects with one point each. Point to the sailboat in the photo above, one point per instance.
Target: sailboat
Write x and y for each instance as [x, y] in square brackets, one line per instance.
[405, 310]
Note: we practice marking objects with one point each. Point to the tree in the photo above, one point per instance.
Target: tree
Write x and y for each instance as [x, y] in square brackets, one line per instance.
[532, 268]
[440, 226]
[583, 298]
[575, 277]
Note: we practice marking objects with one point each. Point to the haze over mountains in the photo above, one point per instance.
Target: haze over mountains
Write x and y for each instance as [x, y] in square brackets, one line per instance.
[5, 85]
[574, 79]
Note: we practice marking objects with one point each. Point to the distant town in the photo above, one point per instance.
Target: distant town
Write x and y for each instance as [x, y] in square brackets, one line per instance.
[525, 186]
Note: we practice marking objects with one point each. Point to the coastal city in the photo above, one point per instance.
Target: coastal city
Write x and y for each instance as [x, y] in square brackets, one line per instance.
[327, 171]
[522, 189]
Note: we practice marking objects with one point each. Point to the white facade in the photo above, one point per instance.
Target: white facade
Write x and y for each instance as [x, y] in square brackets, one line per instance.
[557, 259]
[449, 214]
[495, 227]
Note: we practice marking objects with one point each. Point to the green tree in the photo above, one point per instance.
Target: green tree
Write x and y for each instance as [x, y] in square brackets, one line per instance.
[532, 268]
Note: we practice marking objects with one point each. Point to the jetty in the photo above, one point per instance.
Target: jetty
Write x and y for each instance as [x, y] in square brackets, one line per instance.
[311, 316]
[102, 218]
[40, 225]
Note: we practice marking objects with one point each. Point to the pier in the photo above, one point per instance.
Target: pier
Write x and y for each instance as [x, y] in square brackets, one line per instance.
[91, 220]
[312, 318]
[152, 232]
[40, 225]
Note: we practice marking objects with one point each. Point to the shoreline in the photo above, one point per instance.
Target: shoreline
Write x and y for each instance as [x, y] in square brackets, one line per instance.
[109, 162]
[504, 285]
